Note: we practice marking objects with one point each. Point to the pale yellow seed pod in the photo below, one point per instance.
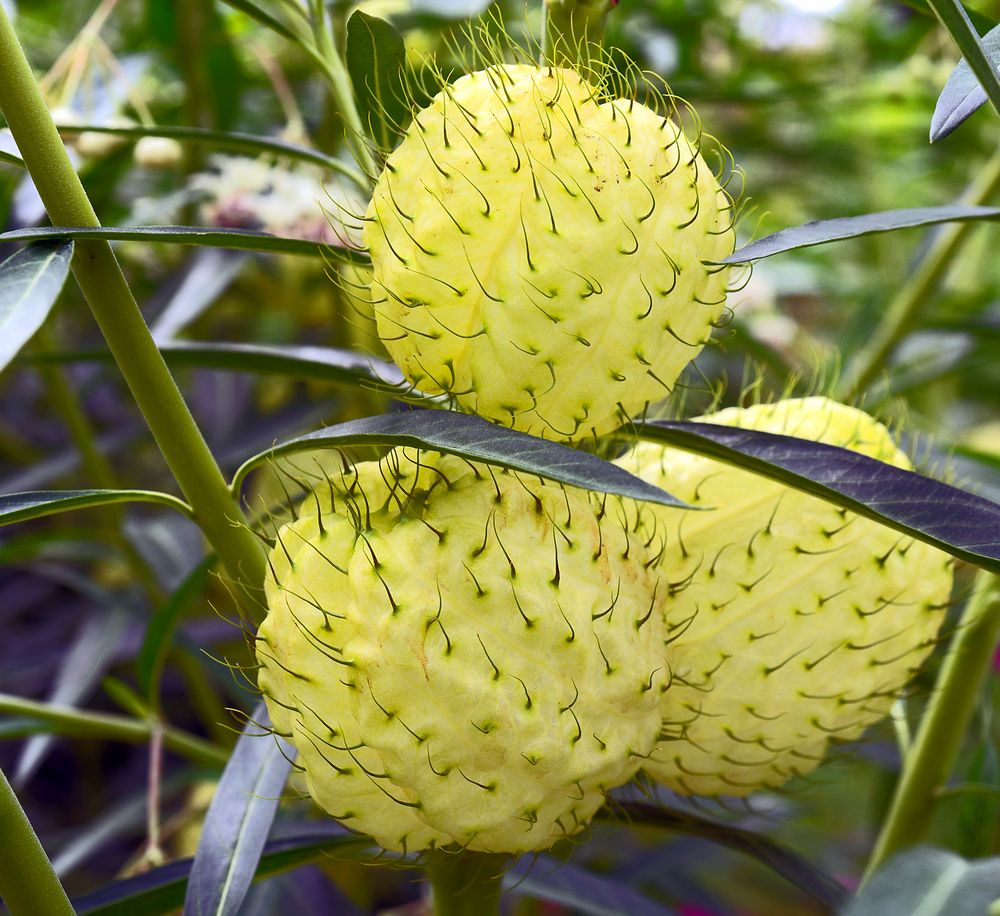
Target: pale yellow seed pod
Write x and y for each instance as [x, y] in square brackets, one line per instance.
[158, 153]
[791, 623]
[540, 251]
[462, 655]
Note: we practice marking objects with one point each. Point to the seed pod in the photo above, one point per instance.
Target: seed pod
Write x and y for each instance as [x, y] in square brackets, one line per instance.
[793, 622]
[538, 250]
[462, 655]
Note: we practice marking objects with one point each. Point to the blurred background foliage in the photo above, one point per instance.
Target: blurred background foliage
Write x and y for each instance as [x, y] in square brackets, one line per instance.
[825, 105]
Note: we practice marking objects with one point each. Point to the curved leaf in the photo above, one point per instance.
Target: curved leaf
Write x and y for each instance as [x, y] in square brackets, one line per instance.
[779, 858]
[238, 239]
[239, 820]
[19, 507]
[476, 439]
[220, 139]
[30, 283]
[960, 523]
[962, 94]
[929, 882]
[848, 227]
[376, 57]
[578, 889]
[10, 159]
[161, 891]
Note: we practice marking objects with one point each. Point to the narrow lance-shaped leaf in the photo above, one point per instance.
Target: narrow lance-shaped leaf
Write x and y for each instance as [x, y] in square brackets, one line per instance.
[19, 507]
[930, 882]
[779, 858]
[848, 227]
[161, 890]
[960, 523]
[376, 57]
[239, 820]
[239, 239]
[962, 94]
[476, 439]
[30, 283]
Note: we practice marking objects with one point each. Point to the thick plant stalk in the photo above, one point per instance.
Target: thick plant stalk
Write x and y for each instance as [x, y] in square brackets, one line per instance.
[939, 738]
[106, 290]
[907, 305]
[28, 885]
[466, 883]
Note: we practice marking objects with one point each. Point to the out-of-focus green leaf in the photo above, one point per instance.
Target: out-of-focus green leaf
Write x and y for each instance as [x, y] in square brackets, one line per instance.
[376, 58]
[30, 282]
[19, 507]
[156, 642]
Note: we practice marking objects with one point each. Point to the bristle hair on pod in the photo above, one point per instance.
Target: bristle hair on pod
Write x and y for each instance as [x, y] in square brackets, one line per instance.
[463, 656]
[543, 247]
[791, 622]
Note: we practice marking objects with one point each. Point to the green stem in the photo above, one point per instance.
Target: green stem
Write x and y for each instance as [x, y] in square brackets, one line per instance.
[100, 277]
[904, 310]
[78, 723]
[939, 737]
[342, 90]
[28, 885]
[954, 18]
[571, 28]
[466, 883]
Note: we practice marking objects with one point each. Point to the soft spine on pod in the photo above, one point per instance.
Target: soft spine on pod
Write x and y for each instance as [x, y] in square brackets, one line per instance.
[790, 622]
[542, 251]
[462, 655]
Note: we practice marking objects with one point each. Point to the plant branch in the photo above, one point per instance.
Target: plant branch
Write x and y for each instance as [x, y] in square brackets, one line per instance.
[28, 884]
[939, 738]
[100, 277]
[78, 723]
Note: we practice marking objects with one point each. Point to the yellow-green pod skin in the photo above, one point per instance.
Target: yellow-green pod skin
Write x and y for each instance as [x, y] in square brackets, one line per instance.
[539, 250]
[792, 622]
[462, 655]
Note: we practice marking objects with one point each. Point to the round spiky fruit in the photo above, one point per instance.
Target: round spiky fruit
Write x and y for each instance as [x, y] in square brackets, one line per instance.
[539, 251]
[791, 622]
[462, 655]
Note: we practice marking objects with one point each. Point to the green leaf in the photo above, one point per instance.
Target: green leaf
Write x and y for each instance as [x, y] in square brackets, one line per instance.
[159, 632]
[19, 507]
[376, 58]
[475, 439]
[162, 890]
[823, 231]
[342, 367]
[241, 239]
[958, 522]
[822, 887]
[30, 282]
[239, 142]
[962, 94]
[11, 159]
[929, 882]
[265, 18]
